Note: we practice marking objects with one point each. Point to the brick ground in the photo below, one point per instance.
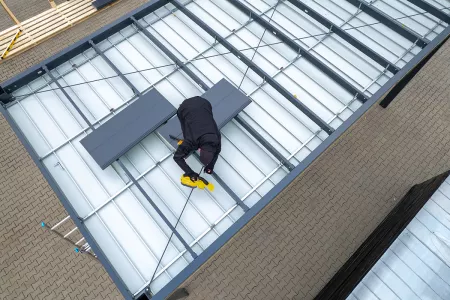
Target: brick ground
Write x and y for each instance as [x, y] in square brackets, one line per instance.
[288, 251]
[20, 63]
[35, 264]
[297, 243]
[25, 9]
[5, 20]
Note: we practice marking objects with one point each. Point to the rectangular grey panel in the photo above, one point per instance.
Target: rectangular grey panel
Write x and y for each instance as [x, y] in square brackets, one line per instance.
[226, 101]
[128, 128]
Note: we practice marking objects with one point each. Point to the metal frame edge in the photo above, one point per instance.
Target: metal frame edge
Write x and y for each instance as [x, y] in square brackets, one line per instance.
[69, 208]
[241, 222]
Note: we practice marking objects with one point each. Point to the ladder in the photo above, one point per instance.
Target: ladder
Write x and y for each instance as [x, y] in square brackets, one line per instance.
[80, 246]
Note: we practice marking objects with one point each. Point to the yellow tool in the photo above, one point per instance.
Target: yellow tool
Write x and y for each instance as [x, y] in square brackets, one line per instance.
[200, 183]
[14, 39]
[179, 141]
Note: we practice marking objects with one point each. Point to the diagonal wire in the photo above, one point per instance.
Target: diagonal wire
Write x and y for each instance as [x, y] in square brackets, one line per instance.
[171, 235]
[259, 43]
[212, 56]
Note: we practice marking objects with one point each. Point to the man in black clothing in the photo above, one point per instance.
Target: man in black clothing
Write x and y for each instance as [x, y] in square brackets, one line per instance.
[199, 132]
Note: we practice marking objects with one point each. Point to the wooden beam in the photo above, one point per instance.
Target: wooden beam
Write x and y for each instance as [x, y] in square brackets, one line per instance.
[52, 3]
[11, 15]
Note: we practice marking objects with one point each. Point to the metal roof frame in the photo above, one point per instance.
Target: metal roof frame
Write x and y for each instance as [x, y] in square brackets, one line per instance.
[52, 62]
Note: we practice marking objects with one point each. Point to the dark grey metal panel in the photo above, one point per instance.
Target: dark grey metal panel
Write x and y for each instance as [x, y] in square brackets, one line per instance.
[389, 22]
[226, 102]
[433, 10]
[102, 3]
[252, 66]
[128, 128]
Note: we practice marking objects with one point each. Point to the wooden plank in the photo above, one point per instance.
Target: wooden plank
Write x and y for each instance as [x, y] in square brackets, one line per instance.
[46, 24]
[83, 14]
[9, 30]
[9, 12]
[70, 9]
[42, 38]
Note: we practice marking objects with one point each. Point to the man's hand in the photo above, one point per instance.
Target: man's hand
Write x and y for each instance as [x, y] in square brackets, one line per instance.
[208, 170]
[193, 176]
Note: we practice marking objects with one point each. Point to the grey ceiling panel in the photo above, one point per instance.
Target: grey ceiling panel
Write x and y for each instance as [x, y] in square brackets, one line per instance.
[227, 102]
[128, 128]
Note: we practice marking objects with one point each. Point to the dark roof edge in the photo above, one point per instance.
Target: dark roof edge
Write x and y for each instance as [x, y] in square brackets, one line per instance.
[240, 223]
[372, 249]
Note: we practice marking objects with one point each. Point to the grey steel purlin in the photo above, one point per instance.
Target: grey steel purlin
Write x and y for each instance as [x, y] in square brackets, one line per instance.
[68, 207]
[205, 87]
[392, 24]
[345, 36]
[169, 54]
[301, 51]
[266, 144]
[156, 208]
[433, 10]
[67, 96]
[109, 62]
[175, 283]
[310, 114]
[126, 129]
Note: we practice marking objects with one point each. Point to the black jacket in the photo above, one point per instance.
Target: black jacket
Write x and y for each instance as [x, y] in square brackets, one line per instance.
[199, 131]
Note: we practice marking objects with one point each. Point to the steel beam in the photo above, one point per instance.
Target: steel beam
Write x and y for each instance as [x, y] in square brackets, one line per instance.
[433, 10]
[265, 143]
[205, 87]
[110, 63]
[67, 96]
[310, 114]
[169, 54]
[336, 29]
[300, 50]
[156, 208]
[389, 22]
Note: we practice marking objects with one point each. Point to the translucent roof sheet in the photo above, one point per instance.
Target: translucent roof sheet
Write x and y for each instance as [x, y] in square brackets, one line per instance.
[124, 224]
[416, 265]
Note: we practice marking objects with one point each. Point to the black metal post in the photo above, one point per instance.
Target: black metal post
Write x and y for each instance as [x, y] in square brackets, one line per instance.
[322, 124]
[300, 50]
[345, 36]
[389, 22]
[68, 97]
[110, 63]
[433, 10]
[156, 208]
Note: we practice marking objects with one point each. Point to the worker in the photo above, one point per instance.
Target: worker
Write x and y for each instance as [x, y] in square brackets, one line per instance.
[200, 132]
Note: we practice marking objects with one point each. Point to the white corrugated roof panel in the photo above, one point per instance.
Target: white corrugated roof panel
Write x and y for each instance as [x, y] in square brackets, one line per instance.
[127, 228]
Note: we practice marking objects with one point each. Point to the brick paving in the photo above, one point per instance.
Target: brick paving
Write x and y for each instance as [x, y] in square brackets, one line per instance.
[290, 249]
[20, 63]
[35, 264]
[300, 240]
[5, 20]
[25, 9]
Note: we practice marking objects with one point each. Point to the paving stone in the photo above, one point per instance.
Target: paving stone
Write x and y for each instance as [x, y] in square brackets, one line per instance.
[329, 210]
